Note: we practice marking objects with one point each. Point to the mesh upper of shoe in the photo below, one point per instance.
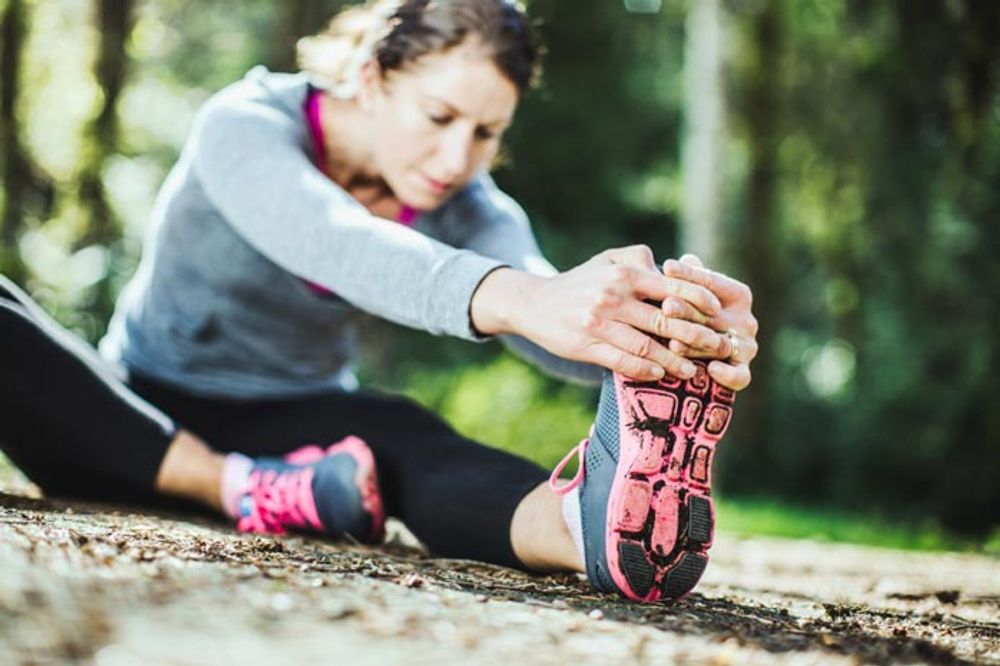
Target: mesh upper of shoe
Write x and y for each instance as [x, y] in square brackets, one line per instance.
[607, 417]
[277, 499]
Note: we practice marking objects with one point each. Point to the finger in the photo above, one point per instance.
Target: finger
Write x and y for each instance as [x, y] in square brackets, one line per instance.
[650, 319]
[678, 309]
[692, 260]
[683, 271]
[638, 256]
[620, 361]
[681, 349]
[744, 350]
[724, 287]
[697, 337]
[629, 339]
[736, 377]
[658, 287]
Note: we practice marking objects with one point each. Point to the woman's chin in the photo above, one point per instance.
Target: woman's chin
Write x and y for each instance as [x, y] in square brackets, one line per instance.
[422, 200]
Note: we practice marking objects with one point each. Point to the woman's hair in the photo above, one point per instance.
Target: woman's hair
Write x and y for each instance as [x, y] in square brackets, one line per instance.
[399, 32]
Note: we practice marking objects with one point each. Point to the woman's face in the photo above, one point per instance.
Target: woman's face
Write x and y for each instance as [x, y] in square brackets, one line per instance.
[437, 123]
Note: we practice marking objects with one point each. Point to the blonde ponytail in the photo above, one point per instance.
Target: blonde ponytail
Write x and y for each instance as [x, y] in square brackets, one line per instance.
[335, 55]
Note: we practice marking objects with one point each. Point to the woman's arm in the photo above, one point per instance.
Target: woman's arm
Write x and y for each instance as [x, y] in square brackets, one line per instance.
[248, 158]
[593, 314]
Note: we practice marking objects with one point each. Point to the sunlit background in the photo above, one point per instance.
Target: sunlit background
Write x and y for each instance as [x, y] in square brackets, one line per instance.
[839, 156]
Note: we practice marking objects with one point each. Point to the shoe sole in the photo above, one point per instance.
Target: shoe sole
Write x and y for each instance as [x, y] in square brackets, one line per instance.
[661, 516]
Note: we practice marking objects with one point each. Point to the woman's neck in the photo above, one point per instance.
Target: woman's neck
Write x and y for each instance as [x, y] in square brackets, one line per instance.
[349, 158]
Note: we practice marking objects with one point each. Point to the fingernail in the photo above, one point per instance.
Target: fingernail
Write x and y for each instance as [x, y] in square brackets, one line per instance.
[688, 369]
[658, 372]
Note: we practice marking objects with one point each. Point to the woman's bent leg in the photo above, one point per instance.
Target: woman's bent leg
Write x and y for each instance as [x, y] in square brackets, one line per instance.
[459, 497]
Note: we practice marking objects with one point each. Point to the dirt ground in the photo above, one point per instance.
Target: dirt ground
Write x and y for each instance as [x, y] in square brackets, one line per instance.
[104, 585]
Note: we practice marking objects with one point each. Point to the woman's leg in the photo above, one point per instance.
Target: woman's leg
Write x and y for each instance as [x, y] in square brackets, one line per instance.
[459, 497]
[75, 429]
[539, 535]
[69, 423]
[65, 420]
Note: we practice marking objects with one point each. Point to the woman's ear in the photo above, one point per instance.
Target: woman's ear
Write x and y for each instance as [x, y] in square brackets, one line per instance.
[369, 84]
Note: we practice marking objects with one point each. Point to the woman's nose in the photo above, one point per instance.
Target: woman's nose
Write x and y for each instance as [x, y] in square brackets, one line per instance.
[454, 151]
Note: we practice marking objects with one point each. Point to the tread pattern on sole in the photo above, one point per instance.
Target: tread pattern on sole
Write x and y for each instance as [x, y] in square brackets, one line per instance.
[664, 523]
[682, 578]
[699, 520]
[637, 568]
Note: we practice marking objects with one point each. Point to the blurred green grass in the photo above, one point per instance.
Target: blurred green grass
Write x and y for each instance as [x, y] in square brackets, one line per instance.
[763, 517]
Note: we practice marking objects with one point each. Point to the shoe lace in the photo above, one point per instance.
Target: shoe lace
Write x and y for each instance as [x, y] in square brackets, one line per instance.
[280, 499]
[580, 450]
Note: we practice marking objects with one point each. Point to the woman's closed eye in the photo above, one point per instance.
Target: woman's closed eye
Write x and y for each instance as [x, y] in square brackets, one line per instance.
[482, 133]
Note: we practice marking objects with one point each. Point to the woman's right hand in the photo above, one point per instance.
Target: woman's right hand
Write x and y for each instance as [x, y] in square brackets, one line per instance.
[598, 313]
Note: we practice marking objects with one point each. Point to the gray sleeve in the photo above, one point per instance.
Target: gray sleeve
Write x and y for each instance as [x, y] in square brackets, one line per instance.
[504, 233]
[250, 161]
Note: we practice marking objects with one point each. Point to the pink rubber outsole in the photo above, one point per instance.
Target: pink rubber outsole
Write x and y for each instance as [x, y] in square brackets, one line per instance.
[660, 511]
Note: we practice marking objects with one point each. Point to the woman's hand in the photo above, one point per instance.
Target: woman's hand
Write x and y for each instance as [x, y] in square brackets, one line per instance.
[731, 366]
[598, 313]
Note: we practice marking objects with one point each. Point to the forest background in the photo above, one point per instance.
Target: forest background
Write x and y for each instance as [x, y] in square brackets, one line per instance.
[840, 156]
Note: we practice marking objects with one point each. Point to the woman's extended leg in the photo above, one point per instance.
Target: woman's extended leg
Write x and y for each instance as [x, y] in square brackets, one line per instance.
[539, 535]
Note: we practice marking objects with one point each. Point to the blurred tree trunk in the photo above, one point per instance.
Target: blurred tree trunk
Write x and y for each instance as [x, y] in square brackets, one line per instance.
[27, 191]
[760, 255]
[701, 160]
[101, 226]
[298, 19]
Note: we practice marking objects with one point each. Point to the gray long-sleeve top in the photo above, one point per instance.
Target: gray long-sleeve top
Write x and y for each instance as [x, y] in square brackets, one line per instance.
[219, 305]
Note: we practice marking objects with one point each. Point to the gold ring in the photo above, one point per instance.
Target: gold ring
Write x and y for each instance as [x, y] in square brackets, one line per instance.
[734, 344]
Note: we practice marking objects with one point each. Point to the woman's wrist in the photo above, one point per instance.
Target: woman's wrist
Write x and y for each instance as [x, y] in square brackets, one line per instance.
[500, 300]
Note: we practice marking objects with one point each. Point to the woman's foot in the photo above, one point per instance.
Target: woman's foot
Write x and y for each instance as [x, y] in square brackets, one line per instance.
[645, 507]
[332, 492]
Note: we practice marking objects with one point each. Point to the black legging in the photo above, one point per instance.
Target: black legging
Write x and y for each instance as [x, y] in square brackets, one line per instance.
[77, 430]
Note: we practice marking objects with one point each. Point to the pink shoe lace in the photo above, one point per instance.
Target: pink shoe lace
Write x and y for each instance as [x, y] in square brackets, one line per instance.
[580, 450]
[280, 499]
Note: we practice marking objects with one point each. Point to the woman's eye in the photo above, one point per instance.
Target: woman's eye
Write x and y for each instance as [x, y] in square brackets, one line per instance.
[439, 120]
[484, 135]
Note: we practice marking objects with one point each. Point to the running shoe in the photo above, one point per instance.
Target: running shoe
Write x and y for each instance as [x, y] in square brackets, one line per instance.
[333, 491]
[646, 509]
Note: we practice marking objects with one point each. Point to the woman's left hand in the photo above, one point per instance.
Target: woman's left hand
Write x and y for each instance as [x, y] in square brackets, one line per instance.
[731, 365]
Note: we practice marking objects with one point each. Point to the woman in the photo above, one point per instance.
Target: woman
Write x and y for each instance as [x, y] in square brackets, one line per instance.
[301, 201]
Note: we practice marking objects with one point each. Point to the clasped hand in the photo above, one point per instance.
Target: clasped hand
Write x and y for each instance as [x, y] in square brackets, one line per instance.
[621, 311]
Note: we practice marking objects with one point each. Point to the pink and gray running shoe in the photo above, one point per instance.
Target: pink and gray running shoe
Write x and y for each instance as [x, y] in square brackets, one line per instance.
[332, 491]
[645, 483]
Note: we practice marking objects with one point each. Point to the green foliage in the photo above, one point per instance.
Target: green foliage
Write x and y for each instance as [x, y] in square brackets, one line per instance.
[508, 404]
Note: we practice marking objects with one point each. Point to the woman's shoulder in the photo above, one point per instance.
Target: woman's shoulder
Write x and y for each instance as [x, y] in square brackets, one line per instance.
[261, 87]
[481, 206]
[482, 201]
